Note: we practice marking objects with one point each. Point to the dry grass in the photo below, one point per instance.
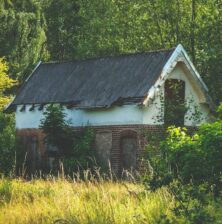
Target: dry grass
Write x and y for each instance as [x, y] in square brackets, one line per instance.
[66, 201]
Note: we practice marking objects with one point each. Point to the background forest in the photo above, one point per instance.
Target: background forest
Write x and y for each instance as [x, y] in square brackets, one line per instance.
[33, 30]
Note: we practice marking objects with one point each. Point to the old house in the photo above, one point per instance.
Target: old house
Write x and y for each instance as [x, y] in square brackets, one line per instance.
[118, 96]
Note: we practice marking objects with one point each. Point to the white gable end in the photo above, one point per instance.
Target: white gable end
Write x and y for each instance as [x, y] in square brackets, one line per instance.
[197, 113]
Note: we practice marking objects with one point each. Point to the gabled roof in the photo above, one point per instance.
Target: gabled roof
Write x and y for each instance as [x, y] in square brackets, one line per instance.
[100, 82]
[96, 82]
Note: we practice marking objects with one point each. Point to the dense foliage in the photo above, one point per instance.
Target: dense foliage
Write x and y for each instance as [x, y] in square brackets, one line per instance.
[5, 83]
[189, 163]
[74, 147]
[63, 22]
[187, 157]
[195, 157]
[7, 144]
[7, 124]
[22, 35]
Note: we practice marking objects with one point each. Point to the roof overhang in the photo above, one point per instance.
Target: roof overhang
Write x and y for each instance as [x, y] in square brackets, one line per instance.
[180, 56]
[11, 107]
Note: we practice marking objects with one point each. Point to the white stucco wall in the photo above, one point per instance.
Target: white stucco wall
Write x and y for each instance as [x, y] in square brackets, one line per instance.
[128, 114]
[113, 116]
[191, 97]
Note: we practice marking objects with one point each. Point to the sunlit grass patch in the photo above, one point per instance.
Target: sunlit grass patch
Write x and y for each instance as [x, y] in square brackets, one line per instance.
[66, 201]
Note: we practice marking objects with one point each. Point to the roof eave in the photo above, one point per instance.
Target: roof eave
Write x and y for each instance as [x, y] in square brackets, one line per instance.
[167, 69]
[10, 107]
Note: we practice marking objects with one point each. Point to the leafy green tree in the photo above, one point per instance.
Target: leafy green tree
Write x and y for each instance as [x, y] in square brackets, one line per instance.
[63, 21]
[75, 147]
[208, 45]
[7, 124]
[22, 35]
[5, 83]
[195, 158]
[7, 144]
[58, 132]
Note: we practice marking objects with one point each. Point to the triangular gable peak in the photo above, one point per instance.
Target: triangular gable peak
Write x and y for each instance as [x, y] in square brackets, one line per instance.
[180, 56]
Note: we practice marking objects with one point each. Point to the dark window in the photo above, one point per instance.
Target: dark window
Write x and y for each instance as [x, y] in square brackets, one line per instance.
[174, 102]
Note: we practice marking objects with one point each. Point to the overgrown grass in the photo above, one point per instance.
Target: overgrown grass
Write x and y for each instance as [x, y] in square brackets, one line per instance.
[69, 201]
[95, 201]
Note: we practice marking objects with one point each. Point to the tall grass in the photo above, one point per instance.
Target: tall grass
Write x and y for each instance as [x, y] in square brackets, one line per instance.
[91, 201]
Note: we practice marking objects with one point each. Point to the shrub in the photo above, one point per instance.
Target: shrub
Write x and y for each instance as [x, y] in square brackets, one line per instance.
[192, 202]
[75, 147]
[211, 148]
[183, 155]
[7, 144]
[82, 156]
[7, 124]
[191, 166]
[58, 132]
[197, 157]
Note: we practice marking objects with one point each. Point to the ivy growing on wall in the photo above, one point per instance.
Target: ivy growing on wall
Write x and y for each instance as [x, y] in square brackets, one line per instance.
[172, 109]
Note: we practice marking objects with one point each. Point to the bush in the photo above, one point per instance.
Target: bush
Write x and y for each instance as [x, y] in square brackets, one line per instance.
[75, 147]
[82, 156]
[192, 203]
[211, 148]
[191, 166]
[58, 131]
[7, 144]
[195, 157]
[184, 155]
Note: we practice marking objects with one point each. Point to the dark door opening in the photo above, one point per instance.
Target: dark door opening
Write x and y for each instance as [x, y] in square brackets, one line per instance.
[174, 102]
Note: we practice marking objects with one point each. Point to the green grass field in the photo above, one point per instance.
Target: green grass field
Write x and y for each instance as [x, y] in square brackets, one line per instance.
[66, 201]
[97, 201]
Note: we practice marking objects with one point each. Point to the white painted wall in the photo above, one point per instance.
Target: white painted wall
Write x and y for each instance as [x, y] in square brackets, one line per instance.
[128, 114]
[191, 98]
[131, 114]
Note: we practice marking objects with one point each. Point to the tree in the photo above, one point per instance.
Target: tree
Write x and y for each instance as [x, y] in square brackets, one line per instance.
[22, 35]
[7, 144]
[7, 124]
[75, 147]
[62, 20]
[5, 83]
[58, 133]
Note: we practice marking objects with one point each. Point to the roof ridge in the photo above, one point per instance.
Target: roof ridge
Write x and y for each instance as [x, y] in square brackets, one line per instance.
[110, 56]
[94, 85]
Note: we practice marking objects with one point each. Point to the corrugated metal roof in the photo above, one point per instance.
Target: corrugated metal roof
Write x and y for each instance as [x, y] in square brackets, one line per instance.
[96, 82]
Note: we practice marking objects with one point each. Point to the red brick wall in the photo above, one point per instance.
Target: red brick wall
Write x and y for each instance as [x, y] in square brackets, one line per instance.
[118, 131]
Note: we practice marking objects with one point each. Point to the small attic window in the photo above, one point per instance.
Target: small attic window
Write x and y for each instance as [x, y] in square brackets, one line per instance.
[174, 106]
